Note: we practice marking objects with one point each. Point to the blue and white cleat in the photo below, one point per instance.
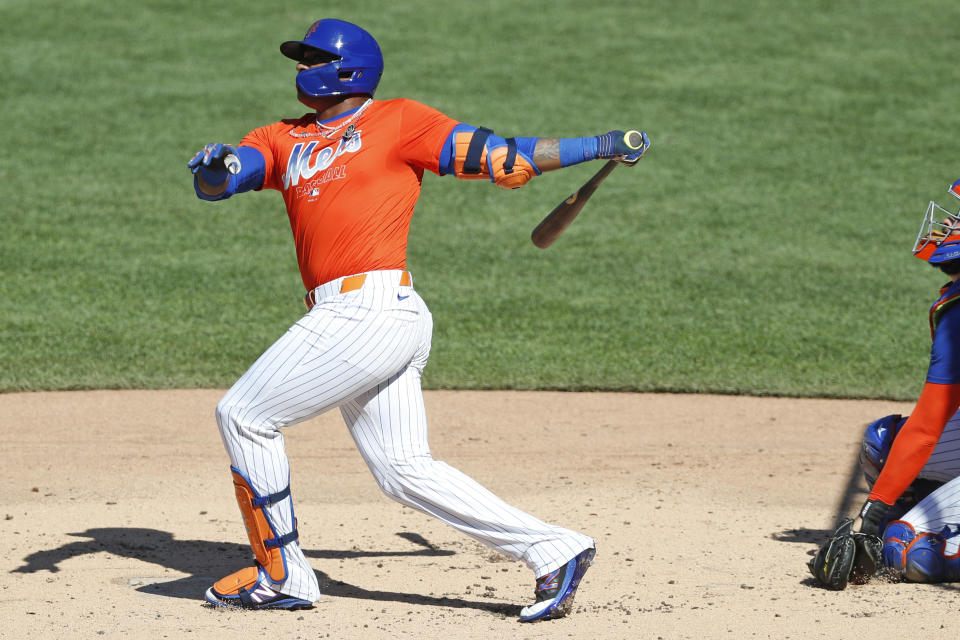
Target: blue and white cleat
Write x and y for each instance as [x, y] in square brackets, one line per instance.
[555, 590]
[250, 589]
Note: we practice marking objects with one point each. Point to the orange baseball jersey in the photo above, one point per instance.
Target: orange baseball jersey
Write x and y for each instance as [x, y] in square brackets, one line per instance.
[350, 201]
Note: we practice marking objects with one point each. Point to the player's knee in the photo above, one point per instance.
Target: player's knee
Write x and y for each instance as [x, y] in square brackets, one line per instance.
[401, 478]
[897, 538]
[226, 413]
[389, 484]
[235, 417]
[918, 557]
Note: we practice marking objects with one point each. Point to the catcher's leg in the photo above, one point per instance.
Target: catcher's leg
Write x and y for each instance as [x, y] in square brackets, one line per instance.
[924, 546]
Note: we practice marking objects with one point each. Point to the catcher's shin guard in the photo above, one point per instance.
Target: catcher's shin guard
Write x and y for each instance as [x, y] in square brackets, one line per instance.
[924, 561]
[919, 557]
[266, 543]
[897, 538]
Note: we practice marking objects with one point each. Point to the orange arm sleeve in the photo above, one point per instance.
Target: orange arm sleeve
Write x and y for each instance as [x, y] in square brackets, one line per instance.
[916, 440]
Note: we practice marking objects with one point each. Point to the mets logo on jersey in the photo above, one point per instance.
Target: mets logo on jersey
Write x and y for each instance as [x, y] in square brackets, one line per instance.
[299, 165]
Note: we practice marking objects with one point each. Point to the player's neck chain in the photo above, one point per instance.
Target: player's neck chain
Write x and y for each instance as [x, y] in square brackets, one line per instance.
[330, 133]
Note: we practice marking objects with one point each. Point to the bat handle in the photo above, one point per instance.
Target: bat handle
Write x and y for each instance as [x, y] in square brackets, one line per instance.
[232, 163]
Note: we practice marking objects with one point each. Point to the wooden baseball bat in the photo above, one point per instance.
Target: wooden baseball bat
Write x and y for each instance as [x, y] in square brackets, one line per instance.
[563, 214]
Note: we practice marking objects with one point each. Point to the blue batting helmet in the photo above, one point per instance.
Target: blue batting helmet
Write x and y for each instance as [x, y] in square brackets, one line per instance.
[356, 66]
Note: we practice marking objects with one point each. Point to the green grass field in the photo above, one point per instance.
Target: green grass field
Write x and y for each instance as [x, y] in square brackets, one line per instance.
[762, 246]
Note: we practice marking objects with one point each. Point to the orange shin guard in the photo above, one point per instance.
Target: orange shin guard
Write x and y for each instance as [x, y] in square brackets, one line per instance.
[266, 543]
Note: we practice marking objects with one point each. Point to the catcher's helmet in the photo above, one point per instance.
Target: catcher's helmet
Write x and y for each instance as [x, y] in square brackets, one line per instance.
[357, 64]
[939, 237]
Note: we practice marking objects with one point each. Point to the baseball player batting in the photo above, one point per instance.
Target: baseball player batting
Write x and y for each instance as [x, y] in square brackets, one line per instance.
[350, 174]
[910, 522]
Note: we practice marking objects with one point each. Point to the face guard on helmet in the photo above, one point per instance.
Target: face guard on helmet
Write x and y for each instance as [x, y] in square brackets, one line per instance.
[939, 237]
[356, 65]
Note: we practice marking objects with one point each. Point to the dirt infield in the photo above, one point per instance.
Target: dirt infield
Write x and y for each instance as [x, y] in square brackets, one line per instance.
[119, 511]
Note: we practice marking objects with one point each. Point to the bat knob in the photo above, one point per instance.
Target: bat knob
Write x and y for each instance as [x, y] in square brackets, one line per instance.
[633, 139]
[232, 163]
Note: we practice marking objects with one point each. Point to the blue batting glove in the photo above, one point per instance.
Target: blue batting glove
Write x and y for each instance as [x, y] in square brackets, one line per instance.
[209, 163]
[211, 157]
[626, 147]
[635, 154]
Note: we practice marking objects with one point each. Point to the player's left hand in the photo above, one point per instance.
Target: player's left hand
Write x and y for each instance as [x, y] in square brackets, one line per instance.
[211, 157]
[626, 146]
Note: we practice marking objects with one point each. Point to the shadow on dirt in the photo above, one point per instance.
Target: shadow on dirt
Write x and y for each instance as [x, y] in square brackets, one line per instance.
[815, 536]
[206, 562]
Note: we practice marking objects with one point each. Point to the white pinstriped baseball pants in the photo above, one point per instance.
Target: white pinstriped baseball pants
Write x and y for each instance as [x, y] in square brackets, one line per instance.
[364, 352]
[942, 507]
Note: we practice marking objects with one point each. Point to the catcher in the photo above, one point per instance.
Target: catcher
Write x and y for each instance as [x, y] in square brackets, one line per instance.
[911, 519]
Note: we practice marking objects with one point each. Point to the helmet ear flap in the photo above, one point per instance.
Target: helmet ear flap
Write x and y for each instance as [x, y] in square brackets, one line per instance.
[950, 267]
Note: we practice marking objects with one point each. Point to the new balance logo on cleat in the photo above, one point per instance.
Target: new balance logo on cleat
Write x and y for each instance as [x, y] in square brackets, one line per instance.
[549, 582]
[262, 594]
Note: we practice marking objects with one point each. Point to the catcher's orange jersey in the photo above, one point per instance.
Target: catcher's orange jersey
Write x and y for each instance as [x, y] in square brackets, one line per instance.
[350, 200]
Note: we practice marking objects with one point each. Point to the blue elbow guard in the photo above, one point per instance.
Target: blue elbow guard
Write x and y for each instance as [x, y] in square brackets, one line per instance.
[475, 152]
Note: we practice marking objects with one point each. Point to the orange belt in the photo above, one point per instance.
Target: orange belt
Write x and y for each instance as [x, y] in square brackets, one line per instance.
[352, 283]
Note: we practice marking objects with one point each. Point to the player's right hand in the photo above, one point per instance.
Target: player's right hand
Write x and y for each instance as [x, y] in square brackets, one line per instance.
[211, 158]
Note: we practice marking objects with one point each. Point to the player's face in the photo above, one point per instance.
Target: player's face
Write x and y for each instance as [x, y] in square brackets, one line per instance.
[314, 58]
[951, 225]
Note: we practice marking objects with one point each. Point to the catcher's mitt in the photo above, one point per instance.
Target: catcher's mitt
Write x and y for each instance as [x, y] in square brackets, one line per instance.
[847, 557]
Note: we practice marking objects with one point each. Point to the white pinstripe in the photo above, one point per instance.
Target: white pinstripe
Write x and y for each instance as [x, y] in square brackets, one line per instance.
[364, 351]
[944, 462]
